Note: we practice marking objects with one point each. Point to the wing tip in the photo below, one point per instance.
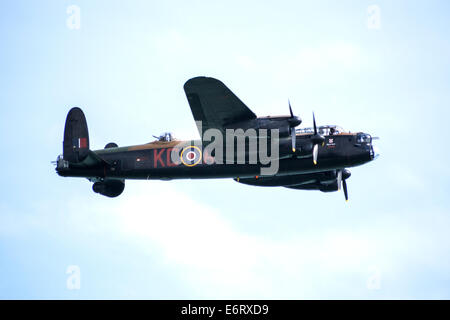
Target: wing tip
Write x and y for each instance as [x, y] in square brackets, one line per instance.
[199, 80]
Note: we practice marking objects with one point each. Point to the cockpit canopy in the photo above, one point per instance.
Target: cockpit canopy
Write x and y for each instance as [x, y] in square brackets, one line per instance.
[328, 130]
[165, 137]
[363, 138]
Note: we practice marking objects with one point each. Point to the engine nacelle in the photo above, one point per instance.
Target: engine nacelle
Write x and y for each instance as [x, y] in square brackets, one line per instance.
[316, 186]
[110, 187]
[292, 180]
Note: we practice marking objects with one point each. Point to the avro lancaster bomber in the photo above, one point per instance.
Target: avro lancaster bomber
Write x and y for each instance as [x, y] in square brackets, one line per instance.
[235, 143]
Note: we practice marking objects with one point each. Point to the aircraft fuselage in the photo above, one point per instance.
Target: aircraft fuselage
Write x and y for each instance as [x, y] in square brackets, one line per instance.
[154, 161]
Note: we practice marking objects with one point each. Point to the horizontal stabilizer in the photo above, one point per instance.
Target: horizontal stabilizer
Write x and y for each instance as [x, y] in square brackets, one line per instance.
[91, 160]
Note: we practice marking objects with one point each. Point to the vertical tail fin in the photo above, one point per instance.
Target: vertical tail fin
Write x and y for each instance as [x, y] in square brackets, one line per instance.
[76, 136]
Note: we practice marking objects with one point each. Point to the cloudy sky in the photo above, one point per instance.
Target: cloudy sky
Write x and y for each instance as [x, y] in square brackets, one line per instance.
[376, 66]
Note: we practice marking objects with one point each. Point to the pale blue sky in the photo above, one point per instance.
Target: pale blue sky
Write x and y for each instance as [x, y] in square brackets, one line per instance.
[126, 67]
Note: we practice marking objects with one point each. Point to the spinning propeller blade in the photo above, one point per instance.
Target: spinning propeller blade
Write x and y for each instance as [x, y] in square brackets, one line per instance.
[293, 122]
[339, 179]
[293, 138]
[315, 152]
[314, 123]
[342, 176]
[316, 140]
[344, 184]
[290, 109]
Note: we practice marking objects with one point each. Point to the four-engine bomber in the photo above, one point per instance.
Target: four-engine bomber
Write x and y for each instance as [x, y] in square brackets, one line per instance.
[235, 143]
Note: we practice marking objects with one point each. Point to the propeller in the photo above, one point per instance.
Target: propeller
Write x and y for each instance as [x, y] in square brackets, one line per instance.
[342, 176]
[344, 184]
[293, 121]
[316, 140]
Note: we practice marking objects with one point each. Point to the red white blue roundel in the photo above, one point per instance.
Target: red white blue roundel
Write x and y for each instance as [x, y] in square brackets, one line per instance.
[190, 156]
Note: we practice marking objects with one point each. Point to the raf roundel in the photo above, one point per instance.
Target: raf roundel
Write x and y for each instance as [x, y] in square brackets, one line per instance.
[191, 156]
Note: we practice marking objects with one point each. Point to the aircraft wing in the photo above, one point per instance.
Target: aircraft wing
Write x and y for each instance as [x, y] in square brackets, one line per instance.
[296, 181]
[214, 104]
[92, 160]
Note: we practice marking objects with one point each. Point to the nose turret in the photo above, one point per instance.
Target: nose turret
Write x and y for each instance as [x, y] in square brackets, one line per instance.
[365, 141]
[375, 151]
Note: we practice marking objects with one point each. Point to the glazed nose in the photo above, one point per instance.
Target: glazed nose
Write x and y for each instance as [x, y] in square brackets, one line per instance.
[374, 152]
